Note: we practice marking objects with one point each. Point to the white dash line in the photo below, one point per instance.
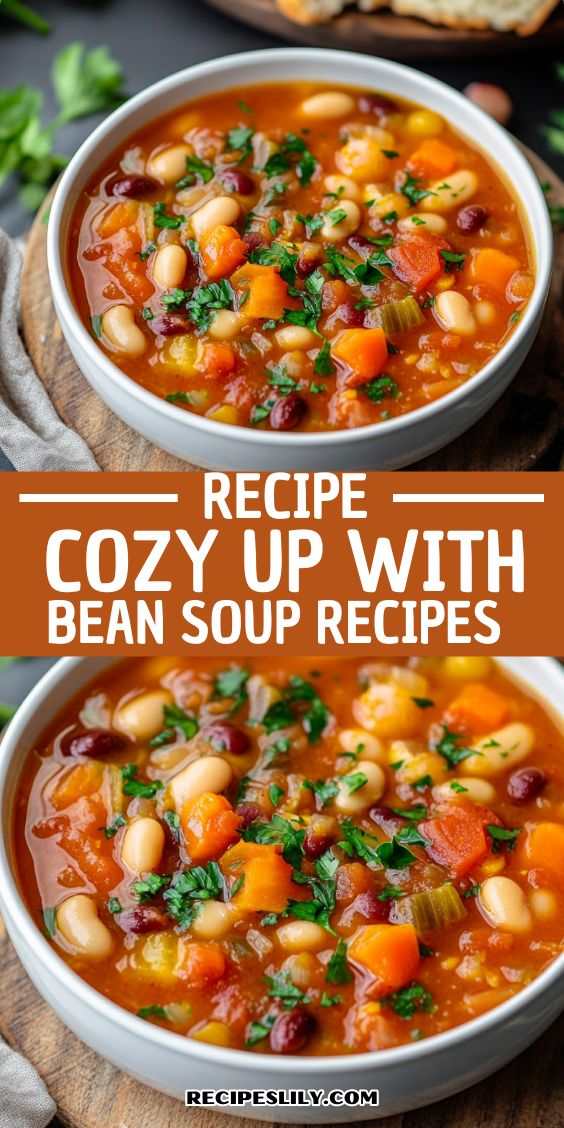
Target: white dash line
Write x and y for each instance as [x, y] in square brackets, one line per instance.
[467, 497]
[89, 498]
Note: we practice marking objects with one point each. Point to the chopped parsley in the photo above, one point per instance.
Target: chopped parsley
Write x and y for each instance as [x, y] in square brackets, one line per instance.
[328, 1000]
[232, 683]
[147, 251]
[275, 794]
[471, 892]
[390, 893]
[453, 261]
[256, 1031]
[500, 834]
[49, 921]
[173, 821]
[409, 999]
[202, 883]
[150, 886]
[137, 787]
[152, 1012]
[114, 906]
[239, 140]
[276, 255]
[282, 988]
[96, 323]
[412, 192]
[207, 299]
[195, 167]
[322, 886]
[173, 299]
[423, 702]
[355, 781]
[416, 813]
[338, 970]
[175, 720]
[161, 219]
[279, 378]
[449, 749]
[311, 301]
[393, 854]
[111, 830]
[380, 388]
[323, 364]
[324, 790]
[278, 832]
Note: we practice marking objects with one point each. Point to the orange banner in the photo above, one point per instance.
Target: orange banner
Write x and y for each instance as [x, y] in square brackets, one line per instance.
[299, 563]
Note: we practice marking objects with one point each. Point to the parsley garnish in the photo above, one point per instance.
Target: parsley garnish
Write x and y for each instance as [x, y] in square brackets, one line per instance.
[152, 1012]
[412, 192]
[161, 219]
[447, 747]
[453, 261]
[471, 892]
[281, 987]
[49, 921]
[338, 970]
[406, 1001]
[423, 702]
[415, 814]
[390, 893]
[323, 364]
[173, 821]
[278, 832]
[322, 887]
[256, 1031]
[380, 388]
[324, 790]
[279, 378]
[501, 834]
[232, 683]
[328, 1000]
[136, 787]
[311, 300]
[239, 140]
[150, 886]
[114, 826]
[276, 255]
[195, 167]
[206, 299]
[147, 251]
[114, 906]
[174, 719]
[202, 883]
[275, 794]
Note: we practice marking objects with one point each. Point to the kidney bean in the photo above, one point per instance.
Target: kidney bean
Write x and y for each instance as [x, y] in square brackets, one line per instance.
[376, 104]
[362, 246]
[235, 181]
[145, 918]
[526, 784]
[169, 325]
[291, 1031]
[367, 906]
[385, 818]
[348, 315]
[315, 844]
[471, 218]
[306, 263]
[96, 742]
[253, 241]
[131, 186]
[249, 813]
[226, 737]
[287, 412]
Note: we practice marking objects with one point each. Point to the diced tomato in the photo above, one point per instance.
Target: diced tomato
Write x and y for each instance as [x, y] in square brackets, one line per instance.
[417, 261]
[456, 839]
[477, 709]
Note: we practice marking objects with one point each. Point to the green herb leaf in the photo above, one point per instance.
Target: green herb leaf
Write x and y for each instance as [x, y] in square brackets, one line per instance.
[49, 921]
[423, 702]
[256, 1031]
[162, 219]
[449, 749]
[380, 388]
[323, 364]
[111, 830]
[410, 999]
[278, 832]
[196, 169]
[206, 299]
[114, 906]
[173, 821]
[412, 192]
[338, 970]
[453, 261]
[502, 834]
[150, 886]
[282, 988]
[152, 1012]
[137, 787]
[275, 794]
[390, 893]
[175, 720]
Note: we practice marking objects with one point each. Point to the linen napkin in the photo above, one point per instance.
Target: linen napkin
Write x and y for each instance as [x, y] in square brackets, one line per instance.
[31, 434]
[24, 1100]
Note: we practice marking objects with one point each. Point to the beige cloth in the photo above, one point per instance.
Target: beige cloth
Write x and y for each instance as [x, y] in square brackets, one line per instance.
[24, 1100]
[31, 433]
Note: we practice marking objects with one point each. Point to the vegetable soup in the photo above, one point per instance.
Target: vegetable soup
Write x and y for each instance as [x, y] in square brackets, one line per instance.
[299, 857]
[294, 257]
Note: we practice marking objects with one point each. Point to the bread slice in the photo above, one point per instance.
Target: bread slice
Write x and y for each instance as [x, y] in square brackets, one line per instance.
[523, 16]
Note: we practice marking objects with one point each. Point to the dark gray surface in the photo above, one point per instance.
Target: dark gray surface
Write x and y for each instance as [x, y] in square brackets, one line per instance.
[152, 40]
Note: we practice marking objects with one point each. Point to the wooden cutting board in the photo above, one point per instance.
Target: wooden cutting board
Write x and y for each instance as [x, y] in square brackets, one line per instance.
[528, 1093]
[517, 434]
[388, 35]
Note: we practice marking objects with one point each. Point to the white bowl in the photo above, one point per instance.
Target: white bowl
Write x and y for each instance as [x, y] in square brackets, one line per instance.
[407, 1077]
[383, 446]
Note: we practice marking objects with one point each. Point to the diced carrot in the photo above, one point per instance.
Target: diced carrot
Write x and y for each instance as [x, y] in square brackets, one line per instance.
[267, 291]
[130, 274]
[84, 840]
[335, 292]
[456, 839]
[417, 261]
[477, 709]
[364, 352]
[493, 268]
[433, 159]
[84, 779]
[390, 952]
[209, 824]
[127, 242]
[351, 879]
[216, 359]
[221, 251]
[201, 964]
[544, 847]
[120, 215]
[267, 879]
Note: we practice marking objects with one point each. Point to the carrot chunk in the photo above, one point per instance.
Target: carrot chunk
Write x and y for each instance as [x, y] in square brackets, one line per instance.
[544, 847]
[267, 879]
[221, 251]
[390, 952]
[478, 708]
[120, 215]
[433, 159]
[216, 359]
[80, 781]
[490, 267]
[457, 839]
[267, 291]
[417, 261]
[209, 825]
[201, 964]
[364, 352]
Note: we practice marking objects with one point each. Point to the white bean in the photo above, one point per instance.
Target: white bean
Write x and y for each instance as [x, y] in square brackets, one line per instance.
[342, 186]
[296, 337]
[225, 325]
[213, 920]
[209, 773]
[416, 222]
[221, 209]
[363, 743]
[329, 104]
[169, 165]
[302, 936]
[118, 326]
[454, 313]
[335, 232]
[543, 903]
[451, 191]
[169, 266]
[351, 802]
[79, 923]
[142, 716]
[142, 846]
[502, 902]
[477, 790]
[485, 312]
[500, 750]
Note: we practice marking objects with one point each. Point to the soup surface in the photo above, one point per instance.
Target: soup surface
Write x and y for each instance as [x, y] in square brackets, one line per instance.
[294, 257]
[288, 859]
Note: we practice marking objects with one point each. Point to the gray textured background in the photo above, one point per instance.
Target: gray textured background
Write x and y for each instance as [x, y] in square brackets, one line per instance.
[152, 40]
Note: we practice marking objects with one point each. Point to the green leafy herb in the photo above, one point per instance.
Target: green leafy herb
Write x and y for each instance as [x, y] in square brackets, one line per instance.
[278, 378]
[409, 999]
[274, 226]
[175, 298]
[196, 169]
[322, 886]
[355, 781]
[276, 255]
[179, 397]
[323, 364]
[147, 251]
[152, 1012]
[312, 223]
[311, 301]
[453, 261]
[380, 388]
[49, 921]
[270, 918]
[471, 892]
[278, 832]
[260, 412]
[501, 834]
[278, 716]
[330, 1000]
[114, 906]
[337, 215]
[150, 886]
[324, 790]
[416, 813]
[96, 323]
[292, 150]
[515, 317]
[173, 821]
[201, 883]
[256, 1031]
[393, 854]
[282, 988]
[421, 784]
[338, 970]
[161, 218]
[239, 140]
[275, 794]
[449, 749]
[412, 192]
[175, 720]
[206, 299]
[390, 893]
[137, 787]
[317, 715]
[147, 314]
[423, 702]
[458, 787]
[111, 830]
[410, 836]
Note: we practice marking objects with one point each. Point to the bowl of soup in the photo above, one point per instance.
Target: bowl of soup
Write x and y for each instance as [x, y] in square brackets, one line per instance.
[341, 874]
[299, 258]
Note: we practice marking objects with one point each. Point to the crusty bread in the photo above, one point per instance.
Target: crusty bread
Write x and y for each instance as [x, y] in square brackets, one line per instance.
[522, 16]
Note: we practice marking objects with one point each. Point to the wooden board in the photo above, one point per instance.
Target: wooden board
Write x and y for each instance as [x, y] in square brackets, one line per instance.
[388, 35]
[517, 434]
[528, 1093]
